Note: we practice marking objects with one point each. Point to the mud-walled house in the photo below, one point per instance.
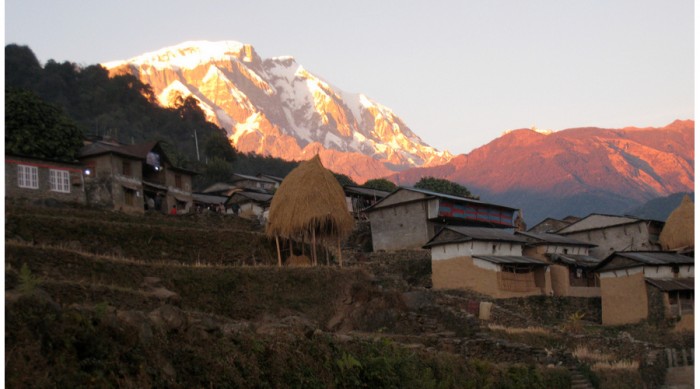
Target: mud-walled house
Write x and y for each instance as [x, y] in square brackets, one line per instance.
[134, 178]
[612, 233]
[408, 217]
[486, 260]
[640, 285]
[35, 179]
[572, 270]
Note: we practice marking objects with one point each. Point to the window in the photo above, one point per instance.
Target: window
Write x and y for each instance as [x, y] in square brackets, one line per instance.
[178, 181]
[59, 180]
[27, 177]
[126, 168]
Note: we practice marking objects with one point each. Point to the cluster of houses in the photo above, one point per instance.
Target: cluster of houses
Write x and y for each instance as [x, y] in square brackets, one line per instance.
[137, 178]
[631, 264]
[625, 261]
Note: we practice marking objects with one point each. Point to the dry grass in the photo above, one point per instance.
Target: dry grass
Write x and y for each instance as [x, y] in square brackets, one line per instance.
[517, 330]
[582, 353]
[619, 365]
[601, 361]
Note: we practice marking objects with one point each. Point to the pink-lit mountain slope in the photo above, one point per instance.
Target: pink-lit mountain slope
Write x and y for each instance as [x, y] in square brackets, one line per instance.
[575, 171]
[276, 107]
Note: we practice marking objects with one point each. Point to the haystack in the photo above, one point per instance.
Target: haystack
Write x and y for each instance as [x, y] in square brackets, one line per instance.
[679, 230]
[310, 205]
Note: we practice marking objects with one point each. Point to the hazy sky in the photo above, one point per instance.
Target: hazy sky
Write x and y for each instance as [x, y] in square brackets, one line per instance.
[458, 72]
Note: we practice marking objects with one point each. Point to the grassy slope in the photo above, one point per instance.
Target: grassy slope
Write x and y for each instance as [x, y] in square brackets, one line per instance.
[90, 320]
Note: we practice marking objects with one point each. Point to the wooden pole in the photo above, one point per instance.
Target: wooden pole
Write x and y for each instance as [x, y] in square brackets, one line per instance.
[313, 243]
[279, 254]
[340, 254]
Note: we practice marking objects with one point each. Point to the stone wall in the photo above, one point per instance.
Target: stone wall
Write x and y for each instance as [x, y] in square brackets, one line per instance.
[400, 227]
[44, 192]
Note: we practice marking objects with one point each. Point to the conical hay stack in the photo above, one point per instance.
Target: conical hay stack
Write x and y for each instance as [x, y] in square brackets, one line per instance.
[310, 199]
[679, 230]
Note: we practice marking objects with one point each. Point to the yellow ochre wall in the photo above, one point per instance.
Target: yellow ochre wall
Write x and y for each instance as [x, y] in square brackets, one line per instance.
[624, 299]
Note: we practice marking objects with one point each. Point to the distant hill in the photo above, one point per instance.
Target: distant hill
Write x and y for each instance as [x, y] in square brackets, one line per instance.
[659, 208]
[576, 171]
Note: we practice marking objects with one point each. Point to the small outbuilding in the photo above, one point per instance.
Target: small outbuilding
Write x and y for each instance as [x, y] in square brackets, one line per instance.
[309, 206]
[624, 286]
[486, 260]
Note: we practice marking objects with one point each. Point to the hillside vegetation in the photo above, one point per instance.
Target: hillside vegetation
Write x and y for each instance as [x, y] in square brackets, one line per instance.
[101, 299]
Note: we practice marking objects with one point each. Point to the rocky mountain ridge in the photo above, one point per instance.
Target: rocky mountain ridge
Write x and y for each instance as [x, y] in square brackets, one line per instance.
[575, 171]
[276, 107]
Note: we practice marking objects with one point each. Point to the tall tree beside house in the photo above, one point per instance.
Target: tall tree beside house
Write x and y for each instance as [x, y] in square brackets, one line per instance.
[344, 179]
[442, 185]
[380, 184]
[38, 129]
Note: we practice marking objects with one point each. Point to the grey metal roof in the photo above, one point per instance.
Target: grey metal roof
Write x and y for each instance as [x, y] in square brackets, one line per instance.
[655, 257]
[365, 191]
[577, 260]
[239, 177]
[476, 233]
[246, 195]
[511, 260]
[208, 199]
[672, 284]
[597, 221]
[456, 198]
[542, 237]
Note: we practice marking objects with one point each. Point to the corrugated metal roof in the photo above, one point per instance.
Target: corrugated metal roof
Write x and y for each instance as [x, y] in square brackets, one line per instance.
[365, 191]
[456, 198]
[252, 178]
[511, 260]
[655, 257]
[476, 233]
[543, 237]
[577, 260]
[255, 196]
[672, 284]
[596, 221]
[208, 199]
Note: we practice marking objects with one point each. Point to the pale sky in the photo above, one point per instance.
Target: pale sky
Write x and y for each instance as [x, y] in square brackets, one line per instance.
[459, 73]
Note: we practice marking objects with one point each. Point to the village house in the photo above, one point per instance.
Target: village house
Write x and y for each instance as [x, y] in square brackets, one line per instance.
[551, 225]
[409, 217]
[221, 189]
[486, 260]
[615, 233]
[638, 285]
[243, 181]
[572, 269]
[251, 204]
[359, 198]
[133, 178]
[41, 179]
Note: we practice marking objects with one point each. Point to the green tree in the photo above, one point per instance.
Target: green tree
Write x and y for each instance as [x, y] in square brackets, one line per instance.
[38, 129]
[344, 179]
[217, 170]
[442, 185]
[218, 146]
[380, 184]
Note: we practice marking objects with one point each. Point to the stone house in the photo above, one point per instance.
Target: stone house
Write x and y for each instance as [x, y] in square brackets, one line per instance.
[244, 181]
[486, 260]
[550, 224]
[133, 178]
[41, 179]
[251, 204]
[408, 217]
[612, 233]
[637, 285]
[572, 269]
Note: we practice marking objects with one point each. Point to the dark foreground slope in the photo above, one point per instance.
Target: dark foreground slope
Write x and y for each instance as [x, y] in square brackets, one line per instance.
[99, 299]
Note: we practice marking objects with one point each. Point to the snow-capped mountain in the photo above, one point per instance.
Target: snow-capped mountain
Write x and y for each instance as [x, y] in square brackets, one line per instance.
[276, 107]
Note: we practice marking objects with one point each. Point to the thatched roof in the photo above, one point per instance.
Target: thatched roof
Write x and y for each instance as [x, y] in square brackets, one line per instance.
[310, 199]
[679, 231]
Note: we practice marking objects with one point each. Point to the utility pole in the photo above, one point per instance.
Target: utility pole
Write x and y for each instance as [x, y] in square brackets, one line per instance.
[196, 144]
